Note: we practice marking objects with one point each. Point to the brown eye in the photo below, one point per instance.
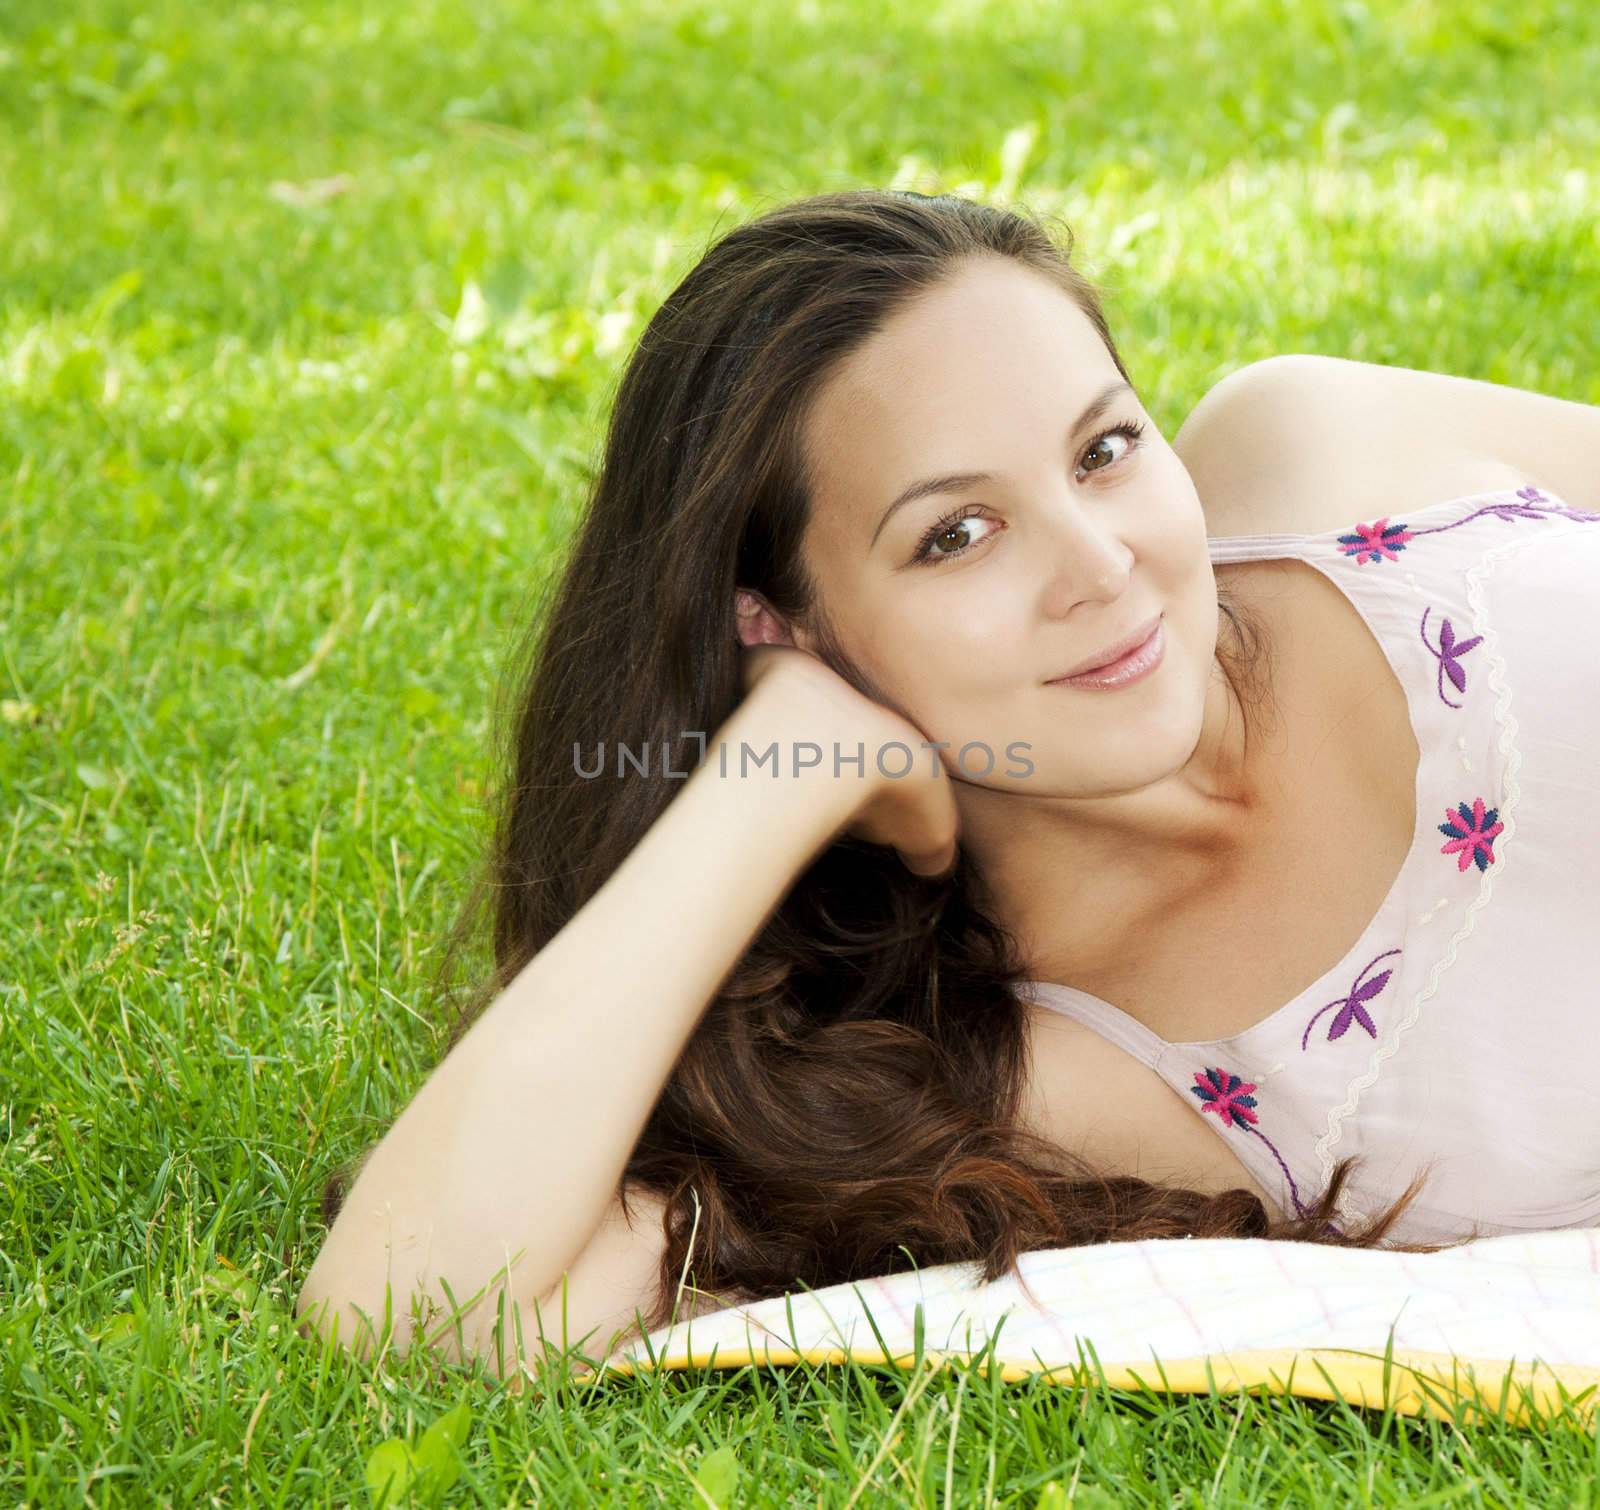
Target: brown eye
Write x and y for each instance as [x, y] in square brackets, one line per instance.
[1129, 431]
[944, 532]
[1102, 444]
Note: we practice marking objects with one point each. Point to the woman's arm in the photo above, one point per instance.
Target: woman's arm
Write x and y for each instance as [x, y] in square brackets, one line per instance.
[1402, 411]
[1305, 442]
[508, 1159]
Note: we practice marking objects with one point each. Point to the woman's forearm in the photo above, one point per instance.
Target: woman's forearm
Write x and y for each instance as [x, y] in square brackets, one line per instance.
[539, 1106]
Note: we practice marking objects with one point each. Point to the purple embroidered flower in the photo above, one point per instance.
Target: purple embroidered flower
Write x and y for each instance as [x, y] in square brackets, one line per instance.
[1471, 834]
[1226, 1095]
[1376, 542]
[1449, 654]
[1229, 1097]
[1352, 1008]
[1511, 512]
[1533, 495]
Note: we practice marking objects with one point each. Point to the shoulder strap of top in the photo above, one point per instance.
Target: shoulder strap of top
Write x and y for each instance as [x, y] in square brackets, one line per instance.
[1110, 1022]
[1226, 548]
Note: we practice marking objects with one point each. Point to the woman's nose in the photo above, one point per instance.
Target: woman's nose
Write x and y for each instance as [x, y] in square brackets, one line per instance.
[1085, 557]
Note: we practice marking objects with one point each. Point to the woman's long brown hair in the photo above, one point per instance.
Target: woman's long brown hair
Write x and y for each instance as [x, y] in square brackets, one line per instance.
[846, 1106]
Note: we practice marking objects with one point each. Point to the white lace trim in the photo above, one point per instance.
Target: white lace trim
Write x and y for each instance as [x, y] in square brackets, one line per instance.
[1511, 758]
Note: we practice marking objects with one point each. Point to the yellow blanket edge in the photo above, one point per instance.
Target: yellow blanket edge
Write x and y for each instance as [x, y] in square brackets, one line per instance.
[1417, 1383]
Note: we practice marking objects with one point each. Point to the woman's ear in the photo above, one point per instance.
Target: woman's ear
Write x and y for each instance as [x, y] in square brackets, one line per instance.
[759, 623]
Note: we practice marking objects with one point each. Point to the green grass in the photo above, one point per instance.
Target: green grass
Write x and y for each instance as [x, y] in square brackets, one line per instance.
[279, 473]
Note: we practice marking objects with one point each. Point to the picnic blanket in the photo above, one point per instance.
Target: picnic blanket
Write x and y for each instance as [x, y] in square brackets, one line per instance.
[1509, 1325]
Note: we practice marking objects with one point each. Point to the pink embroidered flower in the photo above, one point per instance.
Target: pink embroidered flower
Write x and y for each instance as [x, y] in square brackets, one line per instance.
[1376, 542]
[1226, 1095]
[1229, 1097]
[1471, 834]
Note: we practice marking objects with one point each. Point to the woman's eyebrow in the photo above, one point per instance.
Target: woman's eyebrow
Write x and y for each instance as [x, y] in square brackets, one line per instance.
[954, 482]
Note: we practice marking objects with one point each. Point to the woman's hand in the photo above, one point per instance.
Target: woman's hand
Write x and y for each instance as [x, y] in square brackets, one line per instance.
[914, 814]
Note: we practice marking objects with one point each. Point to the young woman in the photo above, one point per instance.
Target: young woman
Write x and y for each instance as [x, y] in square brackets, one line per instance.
[1002, 953]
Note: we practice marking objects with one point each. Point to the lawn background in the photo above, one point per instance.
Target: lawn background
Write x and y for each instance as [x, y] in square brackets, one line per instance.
[310, 315]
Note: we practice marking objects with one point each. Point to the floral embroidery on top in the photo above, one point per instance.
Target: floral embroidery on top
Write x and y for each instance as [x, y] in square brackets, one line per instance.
[1382, 541]
[1376, 542]
[1449, 655]
[1226, 1095]
[1352, 1008]
[1472, 834]
[1229, 1097]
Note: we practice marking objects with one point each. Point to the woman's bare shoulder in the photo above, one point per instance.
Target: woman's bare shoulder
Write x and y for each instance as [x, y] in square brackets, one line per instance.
[1095, 1100]
[1306, 443]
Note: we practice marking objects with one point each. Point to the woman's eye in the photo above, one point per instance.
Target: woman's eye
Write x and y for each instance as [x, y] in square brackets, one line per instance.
[939, 536]
[1128, 430]
[929, 548]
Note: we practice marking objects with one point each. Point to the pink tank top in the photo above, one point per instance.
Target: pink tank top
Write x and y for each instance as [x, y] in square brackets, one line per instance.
[1462, 1030]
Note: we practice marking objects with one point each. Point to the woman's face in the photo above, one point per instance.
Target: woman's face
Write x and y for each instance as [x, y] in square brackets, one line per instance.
[1061, 544]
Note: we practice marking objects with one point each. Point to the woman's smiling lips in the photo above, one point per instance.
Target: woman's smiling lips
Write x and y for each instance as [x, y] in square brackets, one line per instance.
[1125, 666]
